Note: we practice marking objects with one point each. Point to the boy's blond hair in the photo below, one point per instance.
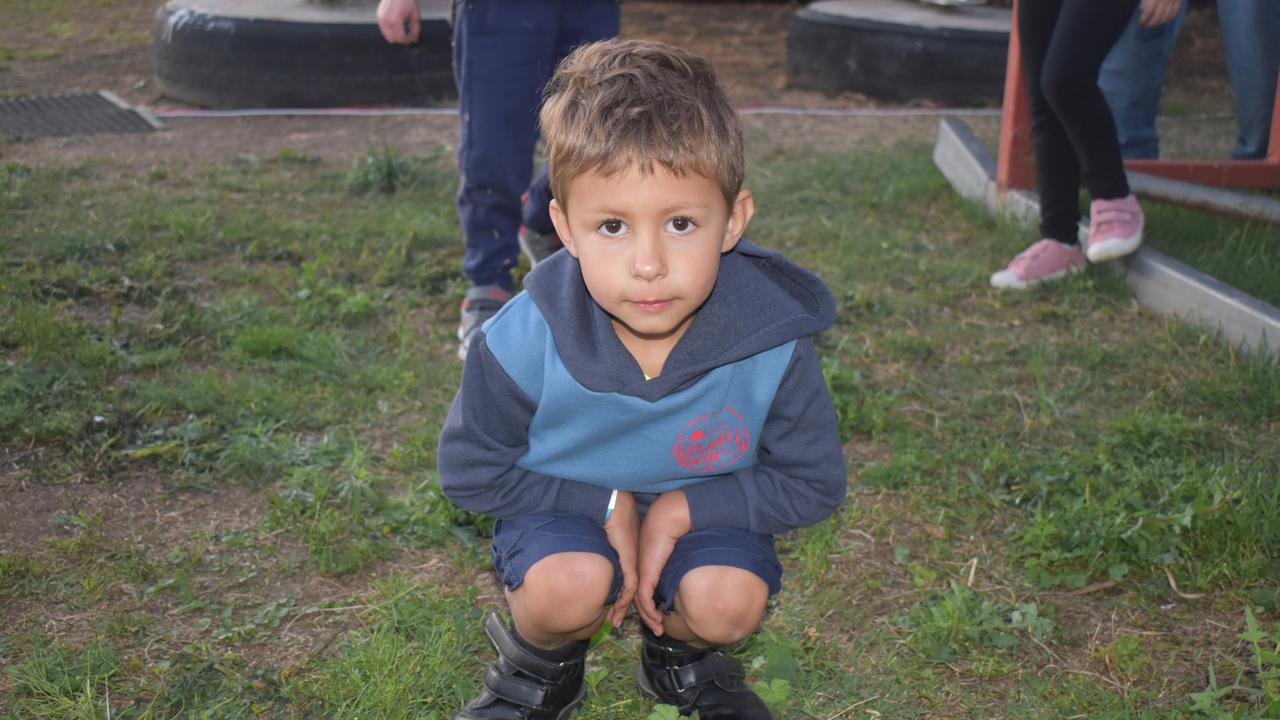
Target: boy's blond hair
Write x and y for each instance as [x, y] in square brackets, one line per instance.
[616, 104]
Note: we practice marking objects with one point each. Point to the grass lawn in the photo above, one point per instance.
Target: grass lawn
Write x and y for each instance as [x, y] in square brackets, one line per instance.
[229, 381]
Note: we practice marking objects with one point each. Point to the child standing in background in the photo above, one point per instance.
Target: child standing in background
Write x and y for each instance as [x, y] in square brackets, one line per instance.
[1073, 138]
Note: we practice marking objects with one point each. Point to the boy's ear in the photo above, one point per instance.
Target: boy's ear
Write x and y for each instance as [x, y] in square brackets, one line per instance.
[561, 222]
[744, 206]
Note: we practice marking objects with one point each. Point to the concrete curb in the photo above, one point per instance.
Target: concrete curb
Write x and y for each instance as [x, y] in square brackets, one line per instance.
[1159, 282]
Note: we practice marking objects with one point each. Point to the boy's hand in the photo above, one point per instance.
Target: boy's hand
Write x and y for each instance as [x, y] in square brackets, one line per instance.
[665, 523]
[399, 21]
[623, 530]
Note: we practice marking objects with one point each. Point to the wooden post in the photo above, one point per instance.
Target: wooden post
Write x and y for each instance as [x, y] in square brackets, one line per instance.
[1015, 169]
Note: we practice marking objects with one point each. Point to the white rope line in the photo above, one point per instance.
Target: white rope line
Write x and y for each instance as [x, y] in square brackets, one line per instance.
[390, 112]
[744, 110]
[304, 112]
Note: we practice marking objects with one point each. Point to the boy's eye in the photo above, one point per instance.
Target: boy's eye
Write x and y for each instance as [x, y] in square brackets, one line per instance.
[612, 228]
[680, 225]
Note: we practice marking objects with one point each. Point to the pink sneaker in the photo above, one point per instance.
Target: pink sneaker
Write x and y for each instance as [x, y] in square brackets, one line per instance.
[1115, 228]
[1045, 260]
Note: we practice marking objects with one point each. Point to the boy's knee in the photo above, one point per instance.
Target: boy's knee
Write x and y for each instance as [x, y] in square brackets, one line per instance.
[563, 593]
[722, 605]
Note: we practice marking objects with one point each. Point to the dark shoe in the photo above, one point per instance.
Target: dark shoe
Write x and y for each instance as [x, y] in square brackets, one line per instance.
[708, 681]
[537, 246]
[481, 303]
[520, 685]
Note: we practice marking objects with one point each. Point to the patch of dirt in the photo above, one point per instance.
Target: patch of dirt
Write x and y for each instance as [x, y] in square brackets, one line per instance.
[30, 512]
[141, 514]
[189, 144]
[1191, 634]
[747, 43]
[78, 47]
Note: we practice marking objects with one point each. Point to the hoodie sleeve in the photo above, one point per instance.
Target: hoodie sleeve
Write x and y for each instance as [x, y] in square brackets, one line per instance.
[799, 477]
[485, 433]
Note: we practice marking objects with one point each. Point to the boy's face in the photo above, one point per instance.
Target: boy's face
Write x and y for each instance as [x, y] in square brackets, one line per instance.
[649, 247]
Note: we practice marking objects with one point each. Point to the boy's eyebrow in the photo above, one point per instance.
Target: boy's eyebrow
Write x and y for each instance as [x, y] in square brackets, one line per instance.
[608, 210]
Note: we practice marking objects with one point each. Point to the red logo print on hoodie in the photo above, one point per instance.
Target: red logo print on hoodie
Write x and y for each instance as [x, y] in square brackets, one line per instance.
[709, 443]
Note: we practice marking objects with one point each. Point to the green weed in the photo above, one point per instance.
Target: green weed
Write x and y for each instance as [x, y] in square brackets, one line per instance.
[1126, 658]
[384, 172]
[207, 681]
[289, 156]
[1255, 693]
[860, 409]
[20, 574]
[56, 682]
[961, 621]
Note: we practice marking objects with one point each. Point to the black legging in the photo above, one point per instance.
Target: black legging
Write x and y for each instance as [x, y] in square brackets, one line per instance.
[1073, 134]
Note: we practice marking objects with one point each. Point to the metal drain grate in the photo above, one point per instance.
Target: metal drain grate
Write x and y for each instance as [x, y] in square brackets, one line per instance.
[60, 115]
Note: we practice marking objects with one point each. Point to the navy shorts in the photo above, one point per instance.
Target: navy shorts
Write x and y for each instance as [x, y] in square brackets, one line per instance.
[520, 542]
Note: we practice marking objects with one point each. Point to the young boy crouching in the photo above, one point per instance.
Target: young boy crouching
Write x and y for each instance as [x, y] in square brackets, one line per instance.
[650, 411]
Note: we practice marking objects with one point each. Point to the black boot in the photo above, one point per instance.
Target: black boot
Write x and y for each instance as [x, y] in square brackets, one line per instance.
[520, 685]
[691, 678]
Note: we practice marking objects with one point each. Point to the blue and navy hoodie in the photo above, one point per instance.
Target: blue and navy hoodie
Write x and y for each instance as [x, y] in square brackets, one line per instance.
[553, 413]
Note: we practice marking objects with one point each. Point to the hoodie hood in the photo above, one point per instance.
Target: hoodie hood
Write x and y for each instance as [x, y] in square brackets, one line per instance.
[761, 300]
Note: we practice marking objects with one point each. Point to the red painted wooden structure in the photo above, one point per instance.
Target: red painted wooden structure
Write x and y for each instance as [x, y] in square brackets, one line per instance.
[1015, 169]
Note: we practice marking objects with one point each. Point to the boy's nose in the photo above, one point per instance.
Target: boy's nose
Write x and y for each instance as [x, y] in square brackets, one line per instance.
[648, 262]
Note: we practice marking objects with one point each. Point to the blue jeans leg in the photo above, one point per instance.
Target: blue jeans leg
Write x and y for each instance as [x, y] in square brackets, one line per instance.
[1132, 78]
[1251, 40]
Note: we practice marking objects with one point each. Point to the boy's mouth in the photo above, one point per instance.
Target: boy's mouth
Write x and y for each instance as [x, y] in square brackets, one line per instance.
[651, 305]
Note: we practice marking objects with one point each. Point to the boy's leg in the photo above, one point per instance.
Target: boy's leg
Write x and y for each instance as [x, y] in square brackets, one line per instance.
[562, 599]
[713, 589]
[559, 571]
[716, 605]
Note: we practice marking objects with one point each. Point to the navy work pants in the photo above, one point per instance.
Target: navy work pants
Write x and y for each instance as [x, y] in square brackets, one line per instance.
[503, 54]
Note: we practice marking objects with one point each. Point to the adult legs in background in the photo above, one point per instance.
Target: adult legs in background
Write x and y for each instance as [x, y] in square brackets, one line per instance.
[1132, 78]
[1251, 41]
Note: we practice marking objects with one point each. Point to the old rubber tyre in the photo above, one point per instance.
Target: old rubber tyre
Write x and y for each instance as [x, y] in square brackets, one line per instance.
[284, 53]
[900, 51]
